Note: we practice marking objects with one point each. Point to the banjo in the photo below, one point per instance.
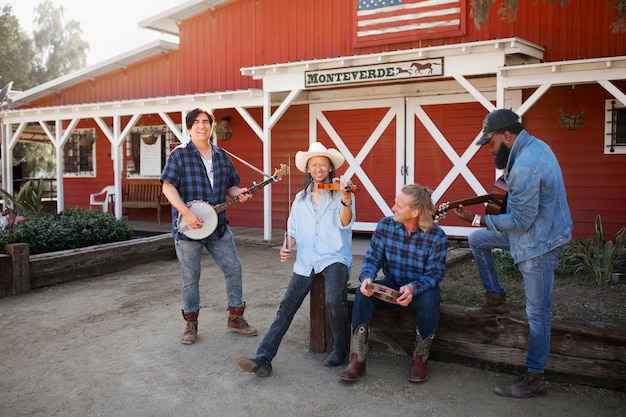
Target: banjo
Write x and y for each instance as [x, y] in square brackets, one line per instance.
[209, 213]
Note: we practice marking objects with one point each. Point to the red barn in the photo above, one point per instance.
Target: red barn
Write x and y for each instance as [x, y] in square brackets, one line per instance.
[400, 87]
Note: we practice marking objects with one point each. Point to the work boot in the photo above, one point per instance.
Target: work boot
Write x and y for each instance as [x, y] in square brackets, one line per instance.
[238, 324]
[526, 386]
[356, 366]
[495, 306]
[191, 331]
[419, 370]
[260, 366]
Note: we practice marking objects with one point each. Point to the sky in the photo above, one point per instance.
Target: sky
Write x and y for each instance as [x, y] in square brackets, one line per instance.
[110, 26]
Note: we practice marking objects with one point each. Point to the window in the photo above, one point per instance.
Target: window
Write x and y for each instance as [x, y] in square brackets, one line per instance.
[78, 154]
[615, 127]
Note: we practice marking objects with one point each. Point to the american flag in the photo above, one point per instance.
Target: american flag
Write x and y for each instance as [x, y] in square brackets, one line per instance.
[392, 21]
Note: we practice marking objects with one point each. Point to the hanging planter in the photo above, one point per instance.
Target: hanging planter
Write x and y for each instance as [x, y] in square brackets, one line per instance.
[570, 116]
[86, 138]
[571, 121]
[150, 135]
[221, 129]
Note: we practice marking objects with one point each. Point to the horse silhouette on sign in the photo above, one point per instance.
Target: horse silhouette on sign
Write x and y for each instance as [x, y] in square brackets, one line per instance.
[424, 67]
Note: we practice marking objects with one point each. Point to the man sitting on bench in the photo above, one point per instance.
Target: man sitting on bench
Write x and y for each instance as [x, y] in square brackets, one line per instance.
[411, 251]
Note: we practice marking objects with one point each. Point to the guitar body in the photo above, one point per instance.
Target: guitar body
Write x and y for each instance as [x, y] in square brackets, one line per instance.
[500, 193]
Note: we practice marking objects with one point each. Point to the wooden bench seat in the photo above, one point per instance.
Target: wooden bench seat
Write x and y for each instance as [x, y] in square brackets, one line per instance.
[144, 193]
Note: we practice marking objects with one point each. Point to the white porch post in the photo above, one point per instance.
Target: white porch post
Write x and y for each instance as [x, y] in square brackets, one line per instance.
[267, 164]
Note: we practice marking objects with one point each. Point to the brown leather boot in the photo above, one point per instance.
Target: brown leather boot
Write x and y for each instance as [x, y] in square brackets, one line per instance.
[419, 370]
[191, 331]
[526, 386]
[495, 306]
[238, 324]
[356, 366]
[354, 370]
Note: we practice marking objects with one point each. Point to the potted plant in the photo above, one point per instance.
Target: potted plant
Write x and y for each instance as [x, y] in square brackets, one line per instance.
[150, 134]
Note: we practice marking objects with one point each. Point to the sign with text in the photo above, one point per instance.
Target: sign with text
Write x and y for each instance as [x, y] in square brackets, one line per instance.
[394, 71]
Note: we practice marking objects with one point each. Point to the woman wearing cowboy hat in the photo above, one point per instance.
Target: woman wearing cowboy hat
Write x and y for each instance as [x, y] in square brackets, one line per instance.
[320, 227]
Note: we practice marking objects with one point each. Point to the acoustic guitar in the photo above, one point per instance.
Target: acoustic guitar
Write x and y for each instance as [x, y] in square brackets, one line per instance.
[209, 213]
[496, 201]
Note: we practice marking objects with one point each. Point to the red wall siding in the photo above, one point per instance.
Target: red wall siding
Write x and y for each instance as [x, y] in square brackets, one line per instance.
[595, 181]
[215, 45]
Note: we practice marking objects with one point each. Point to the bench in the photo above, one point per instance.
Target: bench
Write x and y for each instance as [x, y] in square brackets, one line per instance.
[144, 193]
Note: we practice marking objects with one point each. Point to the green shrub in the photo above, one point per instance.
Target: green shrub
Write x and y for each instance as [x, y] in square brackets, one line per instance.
[505, 267]
[598, 255]
[70, 229]
[27, 202]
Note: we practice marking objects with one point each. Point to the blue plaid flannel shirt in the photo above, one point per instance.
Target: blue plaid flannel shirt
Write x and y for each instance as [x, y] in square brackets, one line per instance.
[418, 259]
[186, 171]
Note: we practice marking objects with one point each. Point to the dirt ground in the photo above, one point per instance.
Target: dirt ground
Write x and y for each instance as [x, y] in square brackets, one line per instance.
[110, 346]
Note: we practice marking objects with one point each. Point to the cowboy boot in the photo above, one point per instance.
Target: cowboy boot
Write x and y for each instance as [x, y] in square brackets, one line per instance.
[419, 371]
[191, 331]
[495, 306]
[356, 367]
[341, 340]
[526, 386]
[238, 324]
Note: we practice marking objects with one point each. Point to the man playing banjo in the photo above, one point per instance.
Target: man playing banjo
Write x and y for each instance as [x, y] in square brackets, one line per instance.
[201, 171]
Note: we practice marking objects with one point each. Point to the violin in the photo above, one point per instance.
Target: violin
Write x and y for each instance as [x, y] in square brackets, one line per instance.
[336, 186]
[496, 201]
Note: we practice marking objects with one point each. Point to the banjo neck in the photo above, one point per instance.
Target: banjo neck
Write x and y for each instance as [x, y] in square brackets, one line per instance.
[223, 206]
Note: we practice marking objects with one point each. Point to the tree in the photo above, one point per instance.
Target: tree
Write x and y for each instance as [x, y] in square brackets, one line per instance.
[16, 54]
[58, 49]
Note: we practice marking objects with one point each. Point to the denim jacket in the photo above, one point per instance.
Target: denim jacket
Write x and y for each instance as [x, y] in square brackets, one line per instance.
[537, 216]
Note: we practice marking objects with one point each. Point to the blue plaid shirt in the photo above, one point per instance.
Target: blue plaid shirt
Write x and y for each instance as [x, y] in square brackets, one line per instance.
[186, 171]
[418, 259]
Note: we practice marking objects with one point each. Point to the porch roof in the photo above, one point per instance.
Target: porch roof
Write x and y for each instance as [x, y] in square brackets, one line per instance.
[168, 21]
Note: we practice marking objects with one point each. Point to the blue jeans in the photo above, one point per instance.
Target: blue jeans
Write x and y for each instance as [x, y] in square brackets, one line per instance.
[538, 273]
[224, 252]
[481, 242]
[426, 305]
[335, 278]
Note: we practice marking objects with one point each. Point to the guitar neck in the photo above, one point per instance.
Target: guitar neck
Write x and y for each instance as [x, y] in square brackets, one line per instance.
[470, 201]
[223, 206]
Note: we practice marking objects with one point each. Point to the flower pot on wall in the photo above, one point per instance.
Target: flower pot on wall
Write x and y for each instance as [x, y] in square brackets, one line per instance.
[570, 121]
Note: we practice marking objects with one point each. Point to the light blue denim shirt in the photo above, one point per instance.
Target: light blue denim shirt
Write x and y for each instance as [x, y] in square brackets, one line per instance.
[321, 239]
[537, 218]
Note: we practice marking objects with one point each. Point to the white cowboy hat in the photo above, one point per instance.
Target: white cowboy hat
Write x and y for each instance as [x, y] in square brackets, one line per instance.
[317, 149]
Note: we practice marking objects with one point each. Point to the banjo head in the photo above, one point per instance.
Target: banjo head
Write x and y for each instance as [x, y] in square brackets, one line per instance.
[205, 211]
